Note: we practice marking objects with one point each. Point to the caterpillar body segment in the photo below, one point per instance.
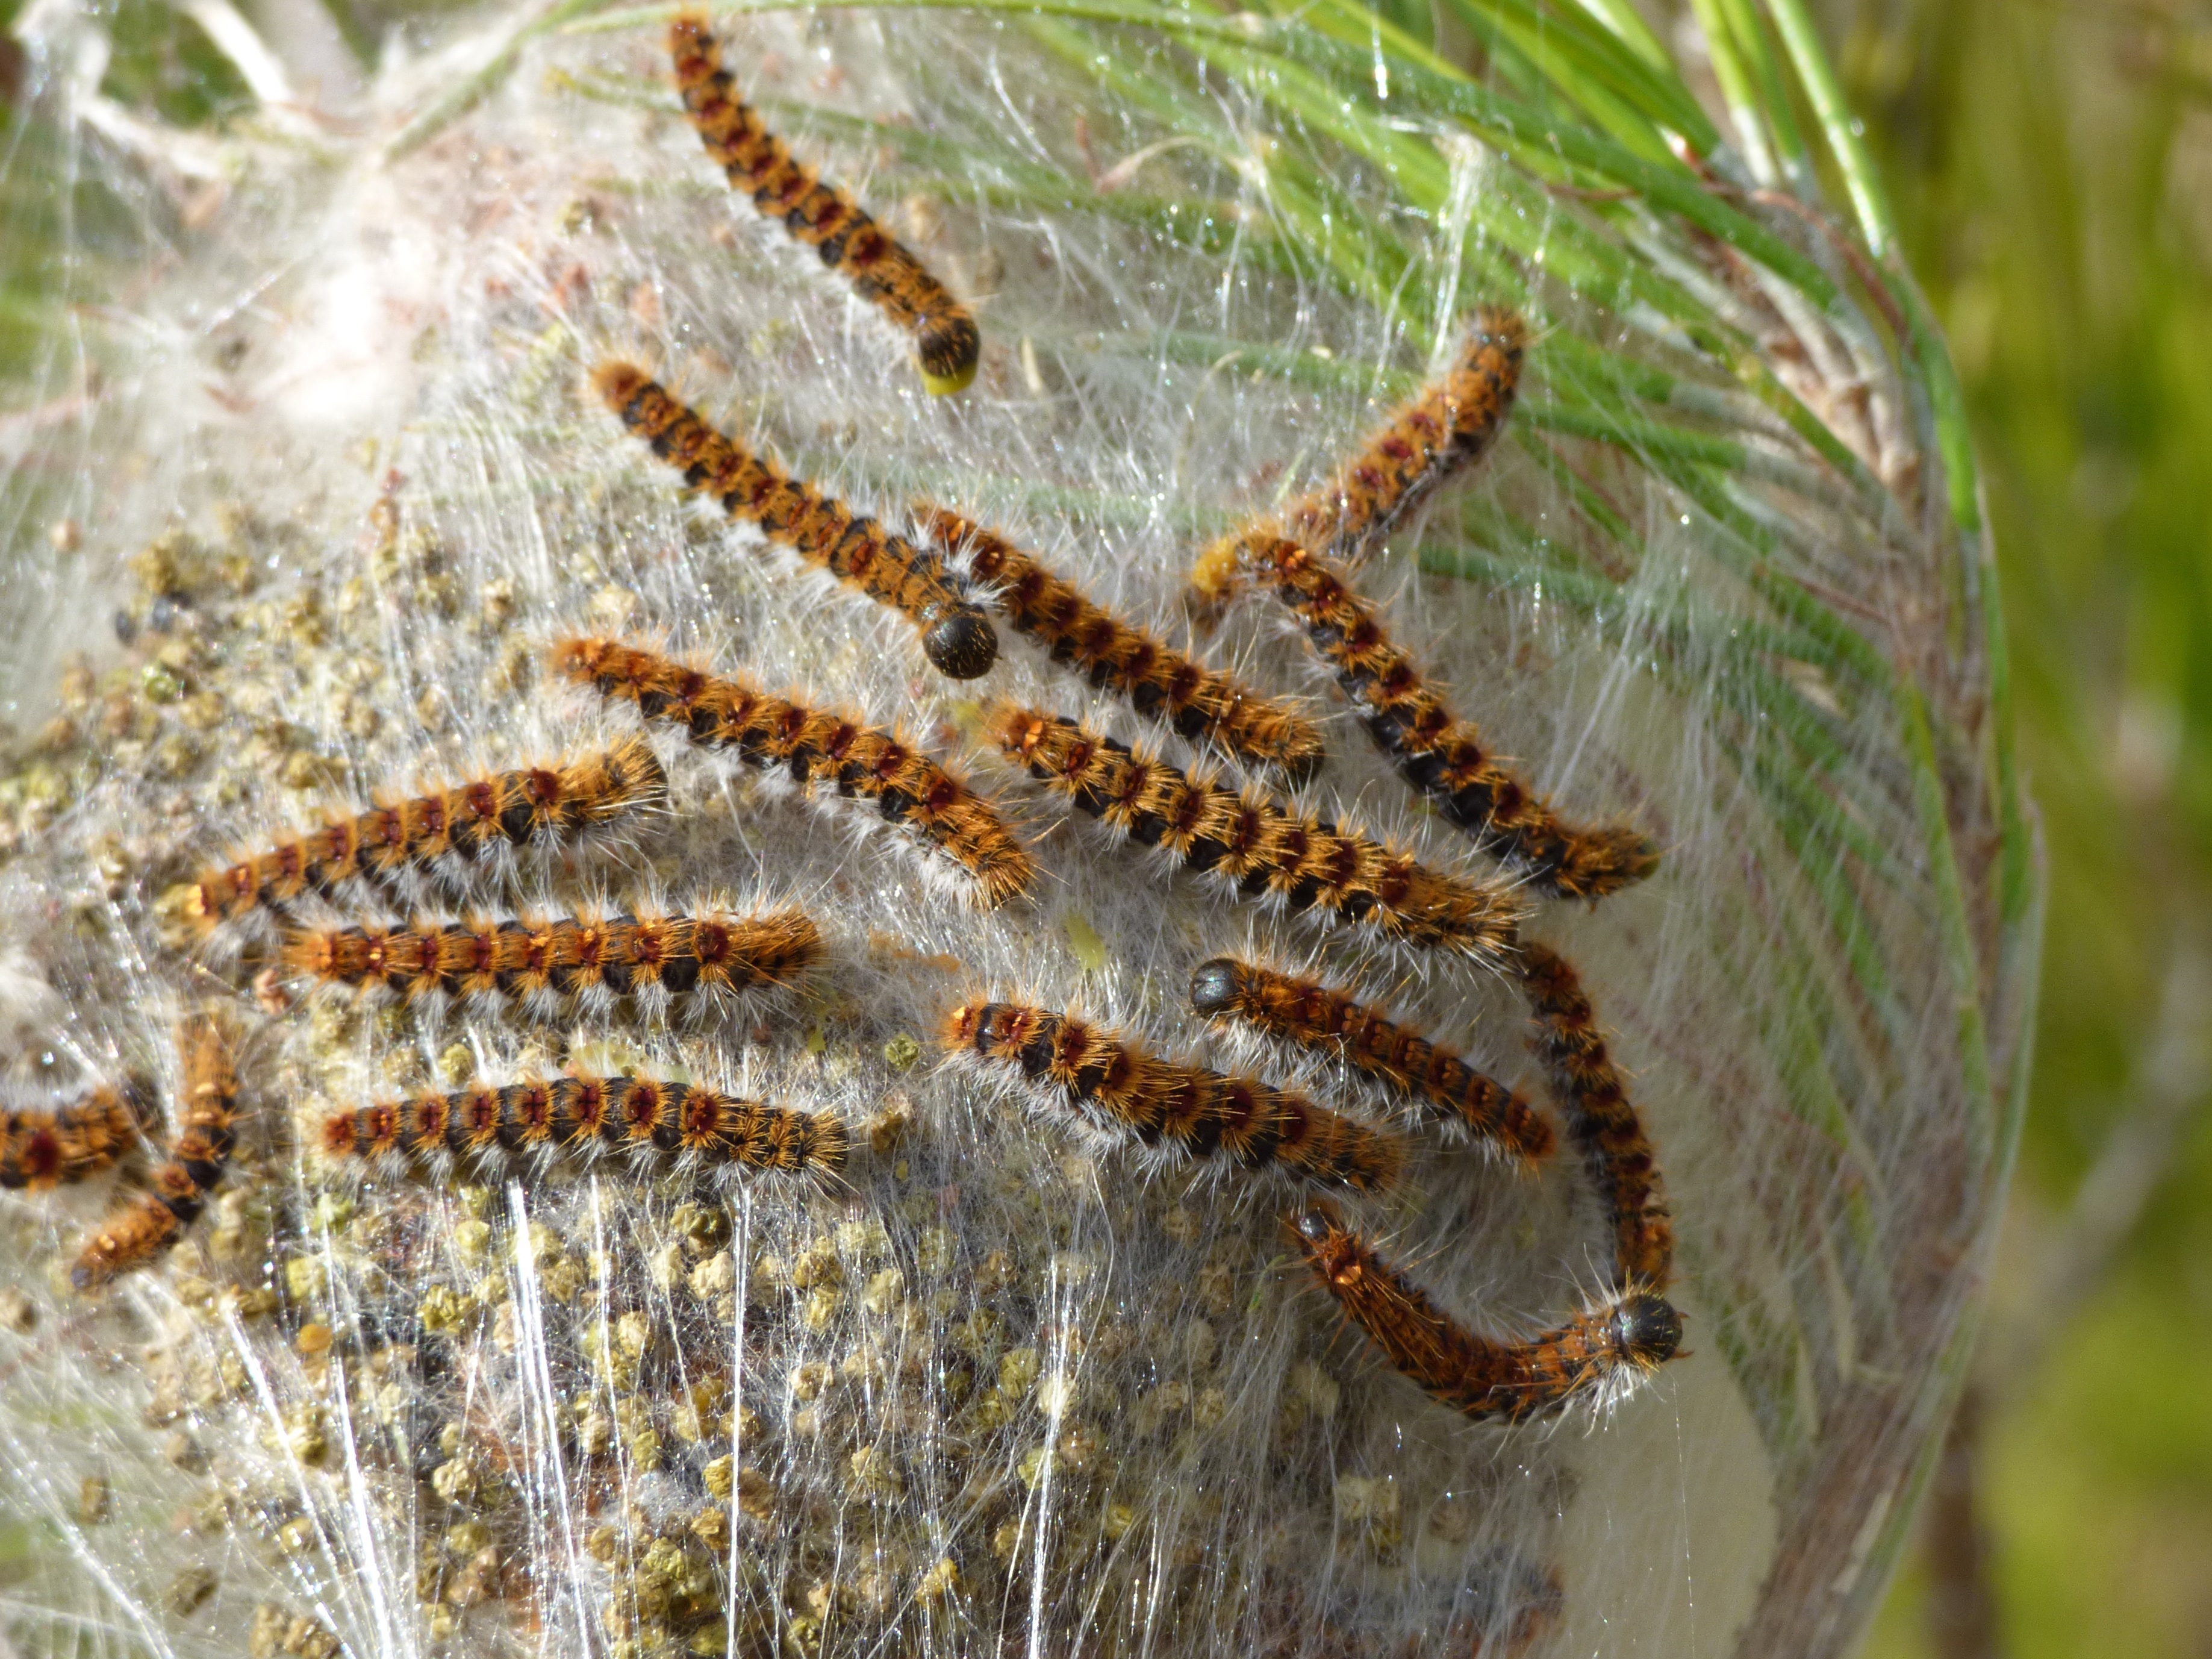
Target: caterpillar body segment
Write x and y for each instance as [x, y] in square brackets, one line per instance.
[655, 1122]
[834, 758]
[1254, 845]
[138, 1234]
[946, 341]
[1199, 702]
[1443, 1085]
[1600, 1355]
[457, 838]
[1601, 1120]
[41, 1150]
[1178, 1110]
[1441, 756]
[1447, 425]
[547, 966]
[956, 635]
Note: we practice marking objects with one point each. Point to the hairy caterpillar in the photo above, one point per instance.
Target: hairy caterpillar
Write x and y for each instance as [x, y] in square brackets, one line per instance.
[1163, 685]
[956, 637]
[143, 1230]
[76, 1142]
[825, 218]
[452, 836]
[1316, 1017]
[830, 755]
[544, 966]
[1606, 1351]
[1255, 844]
[657, 1121]
[1600, 1119]
[1173, 1108]
[1447, 425]
[1442, 756]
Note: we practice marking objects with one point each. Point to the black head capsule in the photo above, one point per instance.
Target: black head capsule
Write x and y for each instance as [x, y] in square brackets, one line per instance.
[960, 646]
[947, 350]
[1648, 1329]
[1216, 986]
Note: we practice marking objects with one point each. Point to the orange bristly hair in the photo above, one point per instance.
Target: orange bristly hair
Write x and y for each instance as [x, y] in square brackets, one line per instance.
[1439, 755]
[1256, 845]
[833, 756]
[73, 1142]
[1601, 1120]
[659, 1122]
[823, 217]
[1612, 1344]
[1449, 424]
[1315, 1016]
[548, 965]
[1173, 1108]
[956, 637]
[141, 1231]
[1160, 683]
[449, 833]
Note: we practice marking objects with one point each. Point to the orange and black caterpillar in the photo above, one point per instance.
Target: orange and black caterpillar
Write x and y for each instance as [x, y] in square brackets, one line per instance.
[826, 219]
[1605, 1352]
[1256, 845]
[1161, 683]
[452, 836]
[137, 1235]
[828, 753]
[1316, 1017]
[546, 965]
[1440, 755]
[1447, 426]
[76, 1142]
[956, 637]
[654, 1120]
[1601, 1120]
[1176, 1109]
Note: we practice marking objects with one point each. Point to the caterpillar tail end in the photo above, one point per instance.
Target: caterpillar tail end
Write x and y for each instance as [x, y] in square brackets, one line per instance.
[1604, 861]
[619, 382]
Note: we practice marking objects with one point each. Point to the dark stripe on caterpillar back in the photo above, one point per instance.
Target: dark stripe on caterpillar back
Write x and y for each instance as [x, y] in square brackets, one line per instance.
[1255, 845]
[548, 965]
[1315, 1016]
[452, 834]
[1171, 1107]
[823, 217]
[1439, 755]
[827, 752]
[141, 1231]
[73, 1142]
[1602, 1352]
[955, 637]
[1601, 1120]
[1447, 426]
[1160, 683]
[657, 1122]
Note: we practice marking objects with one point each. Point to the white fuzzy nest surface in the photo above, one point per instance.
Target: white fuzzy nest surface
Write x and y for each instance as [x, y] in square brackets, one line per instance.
[998, 1390]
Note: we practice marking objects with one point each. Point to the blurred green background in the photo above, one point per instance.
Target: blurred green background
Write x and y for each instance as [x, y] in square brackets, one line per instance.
[2051, 160]
[2052, 163]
